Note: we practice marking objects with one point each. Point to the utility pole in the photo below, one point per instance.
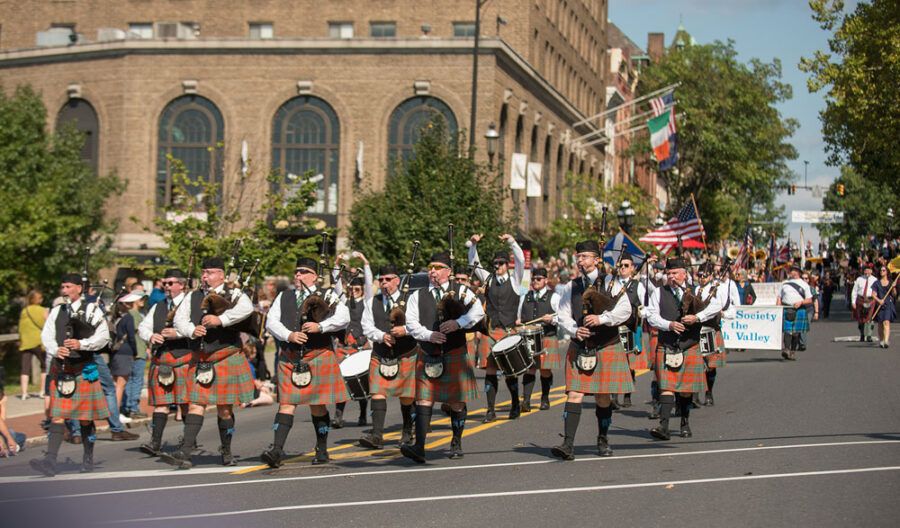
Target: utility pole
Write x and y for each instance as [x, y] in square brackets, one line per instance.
[478, 4]
[805, 171]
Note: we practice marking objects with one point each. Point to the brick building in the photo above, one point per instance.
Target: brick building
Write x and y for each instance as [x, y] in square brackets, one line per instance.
[330, 86]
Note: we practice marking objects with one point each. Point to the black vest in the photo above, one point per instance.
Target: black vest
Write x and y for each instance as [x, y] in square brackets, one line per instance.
[355, 327]
[178, 347]
[216, 338]
[604, 334]
[67, 327]
[383, 322]
[535, 307]
[290, 317]
[428, 318]
[670, 310]
[502, 303]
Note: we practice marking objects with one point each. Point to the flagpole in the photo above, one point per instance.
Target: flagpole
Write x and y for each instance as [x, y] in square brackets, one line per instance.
[702, 229]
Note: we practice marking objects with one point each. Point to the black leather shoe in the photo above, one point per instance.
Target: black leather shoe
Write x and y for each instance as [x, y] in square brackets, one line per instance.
[372, 441]
[456, 449]
[526, 406]
[603, 448]
[180, 459]
[545, 404]
[272, 457]
[227, 457]
[490, 416]
[563, 451]
[686, 431]
[660, 433]
[406, 436]
[338, 421]
[151, 448]
[321, 457]
[710, 402]
[412, 452]
[654, 412]
[44, 465]
[514, 413]
[626, 402]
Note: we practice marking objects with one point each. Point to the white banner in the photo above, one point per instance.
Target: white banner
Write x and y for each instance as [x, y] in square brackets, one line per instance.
[817, 217]
[534, 180]
[754, 327]
[518, 166]
[766, 293]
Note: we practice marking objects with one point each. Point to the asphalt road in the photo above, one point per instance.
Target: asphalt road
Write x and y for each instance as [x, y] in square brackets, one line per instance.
[815, 442]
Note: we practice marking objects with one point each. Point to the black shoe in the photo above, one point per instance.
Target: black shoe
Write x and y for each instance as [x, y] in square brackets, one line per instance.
[869, 339]
[44, 465]
[151, 449]
[862, 339]
[406, 436]
[695, 400]
[563, 451]
[338, 421]
[372, 441]
[603, 448]
[272, 457]
[626, 403]
[321, 456]
[180, 459]
[514, 413]
[660, 433]
[545, 404]
[526, 406]
[362, 421]
[786, 355]
[87, 464]
[710, 402]
[686, 431]
[456, 449]
[412, 452]
[227, 457]
[490, 416]
[803, 348]
[654, 412]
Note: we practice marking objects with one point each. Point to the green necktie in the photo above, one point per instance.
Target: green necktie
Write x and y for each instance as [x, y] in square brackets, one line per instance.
[437, 294]
[678, 293]
[301, 296]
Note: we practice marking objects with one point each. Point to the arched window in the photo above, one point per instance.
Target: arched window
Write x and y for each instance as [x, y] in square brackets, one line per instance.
[406, 124]
[191, 130]
[82, 116]
[306, 136]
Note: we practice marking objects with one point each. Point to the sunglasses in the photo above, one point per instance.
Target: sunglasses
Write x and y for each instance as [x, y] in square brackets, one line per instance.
[304, 271]
[170, 283]
[538, 278]
[387, 279]
[437, 267]
[624, 266]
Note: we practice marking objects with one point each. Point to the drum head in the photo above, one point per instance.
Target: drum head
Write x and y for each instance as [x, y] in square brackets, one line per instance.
[507, 343]
[356, 363]
[531, 330]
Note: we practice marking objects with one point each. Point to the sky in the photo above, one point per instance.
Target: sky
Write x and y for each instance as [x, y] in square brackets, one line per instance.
[763, 29]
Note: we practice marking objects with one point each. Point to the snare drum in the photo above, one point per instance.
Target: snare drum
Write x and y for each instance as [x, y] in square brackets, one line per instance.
[355, 371]
[512, 355]
[534, 338]
[707, 341]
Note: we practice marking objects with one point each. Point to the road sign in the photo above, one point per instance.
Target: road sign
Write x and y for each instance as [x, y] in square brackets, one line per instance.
[817, 217]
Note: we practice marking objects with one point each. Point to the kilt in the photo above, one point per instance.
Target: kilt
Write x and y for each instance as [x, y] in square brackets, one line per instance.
[638, 361]
[552, 356]
[233, 383]
[691, 377]
[650, 350]
[178, 392]
[402, 386]
[327, 385]
[350, 348]
[717, 359]
[611, 376]
[86, 403]
[485, 359]
[456, 384]
[798, 325]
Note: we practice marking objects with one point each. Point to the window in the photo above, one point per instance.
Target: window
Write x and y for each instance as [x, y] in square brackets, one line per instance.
[406, 124]
[383, 29]
[81, 115]
[464, 29]
[341, 30]
[190, 129]
[141, 30]
[306, 136]
[261, 30]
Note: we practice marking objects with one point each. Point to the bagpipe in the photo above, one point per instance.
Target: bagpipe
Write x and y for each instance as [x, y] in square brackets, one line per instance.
[597, 300]
[214, 303]
[452, 306]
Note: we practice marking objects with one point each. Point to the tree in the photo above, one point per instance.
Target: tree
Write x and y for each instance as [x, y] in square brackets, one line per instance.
[53, 203]
[732, 140]
[860, 76]
[436, 186]
[865, 209]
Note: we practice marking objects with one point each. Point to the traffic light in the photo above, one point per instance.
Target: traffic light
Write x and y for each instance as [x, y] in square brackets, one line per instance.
[839, 189]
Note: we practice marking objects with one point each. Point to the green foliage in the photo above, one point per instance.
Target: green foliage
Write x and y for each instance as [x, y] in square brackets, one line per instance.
[865, 209]
[437, 186]
[53, 203]
[860, 76]
[732, 141]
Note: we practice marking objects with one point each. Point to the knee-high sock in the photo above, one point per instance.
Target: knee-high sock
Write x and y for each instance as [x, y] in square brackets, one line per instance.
[711, 379]
[379, 410]
[226, 431]
[192, 425]
[490, 389]
[54, 439]
[407, 412]
[423, 420]
[571, 417]
[88, 437]
[282, 427]
[340, 408]
[158, 425]
[512, 383]
[458, 422]
[546, 383]
[666, 403]
[654, 390]
[363, 406]
[527, 386]
[604, 419]
[322, 424]
[684, 408]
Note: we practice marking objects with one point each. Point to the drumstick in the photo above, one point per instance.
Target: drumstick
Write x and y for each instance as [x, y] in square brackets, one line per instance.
[535, 320]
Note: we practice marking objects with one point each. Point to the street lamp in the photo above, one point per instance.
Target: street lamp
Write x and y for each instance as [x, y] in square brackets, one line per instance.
[625, 214]
[492, 137]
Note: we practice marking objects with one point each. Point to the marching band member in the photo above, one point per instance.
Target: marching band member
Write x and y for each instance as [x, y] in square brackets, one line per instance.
[795, 296]
[634, 289]
[729, 298]
[501, 307]
[308, 370]
[219, 374]
[861, 301]
[354, 341]
[541, 302]
[595, 361]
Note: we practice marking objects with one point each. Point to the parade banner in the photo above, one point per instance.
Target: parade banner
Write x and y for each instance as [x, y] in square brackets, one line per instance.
[766, 293]
[817, 217]
[754, 327]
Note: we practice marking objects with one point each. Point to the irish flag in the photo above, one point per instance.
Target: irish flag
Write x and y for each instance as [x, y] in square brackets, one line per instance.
[659, 135]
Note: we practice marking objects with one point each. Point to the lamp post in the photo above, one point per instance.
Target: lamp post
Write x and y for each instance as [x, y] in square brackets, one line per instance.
[492, 137]
[625, 214]
[472, 116]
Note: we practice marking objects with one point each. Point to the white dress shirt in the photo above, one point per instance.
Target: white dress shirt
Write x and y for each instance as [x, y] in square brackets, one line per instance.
[94, 315]
[371, 332]
[242, 309]
[276, 328]
[658, 321]
[618, 315]
[145, 329]
[862, 284]
[554, 304]
[466, 320]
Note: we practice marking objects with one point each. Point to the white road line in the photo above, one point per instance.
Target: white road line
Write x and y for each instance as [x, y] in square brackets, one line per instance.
[430, 469]
[510, 494]
[168, 472]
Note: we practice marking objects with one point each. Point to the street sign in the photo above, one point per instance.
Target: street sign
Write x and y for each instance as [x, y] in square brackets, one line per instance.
[817, 217]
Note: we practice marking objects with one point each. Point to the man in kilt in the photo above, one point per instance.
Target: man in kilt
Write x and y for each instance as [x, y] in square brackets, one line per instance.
[71, 335]
[541, 303]
[595, 361]
[444, 370]
[632, 332]
[171, 353]
[219, 374]
[678, 363]
[308, 369]
[862, 303]
[796, 297]
[354, 340]
[501, 304]
[392, 369]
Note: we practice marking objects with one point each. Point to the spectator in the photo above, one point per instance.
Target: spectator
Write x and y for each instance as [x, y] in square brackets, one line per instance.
[11, 442]
[131, 406]
[121, 356]
[745, 288]
[31, 321]
[157, 294]
[827, 291]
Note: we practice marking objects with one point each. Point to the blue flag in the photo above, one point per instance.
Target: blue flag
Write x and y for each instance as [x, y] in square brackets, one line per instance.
[615, 245]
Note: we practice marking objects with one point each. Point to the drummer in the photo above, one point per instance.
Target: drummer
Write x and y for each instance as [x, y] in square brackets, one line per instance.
[309, 351]
[634, 289]
[541, 304]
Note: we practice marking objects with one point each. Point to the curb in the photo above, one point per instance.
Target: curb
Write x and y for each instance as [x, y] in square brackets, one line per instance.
[35, 441]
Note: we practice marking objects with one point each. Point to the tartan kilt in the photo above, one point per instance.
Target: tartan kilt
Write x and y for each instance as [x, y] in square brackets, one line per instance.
[343, 350]
[799, 325]
[638, 361]
[176, 394]
[402, 386]
[233, 383]
[86, 403]
[485, 359]
[327, 385]
[719, 358]
[611, 376]
[552, 356]
[691, 377]
[650, 350]
[456, 384]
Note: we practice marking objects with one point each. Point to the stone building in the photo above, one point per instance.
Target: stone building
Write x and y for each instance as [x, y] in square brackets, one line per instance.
[337, 87]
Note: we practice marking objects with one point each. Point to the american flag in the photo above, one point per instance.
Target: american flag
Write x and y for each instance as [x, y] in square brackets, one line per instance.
[784, 253]
[743, 257]
[686, 224]
[661, 104]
